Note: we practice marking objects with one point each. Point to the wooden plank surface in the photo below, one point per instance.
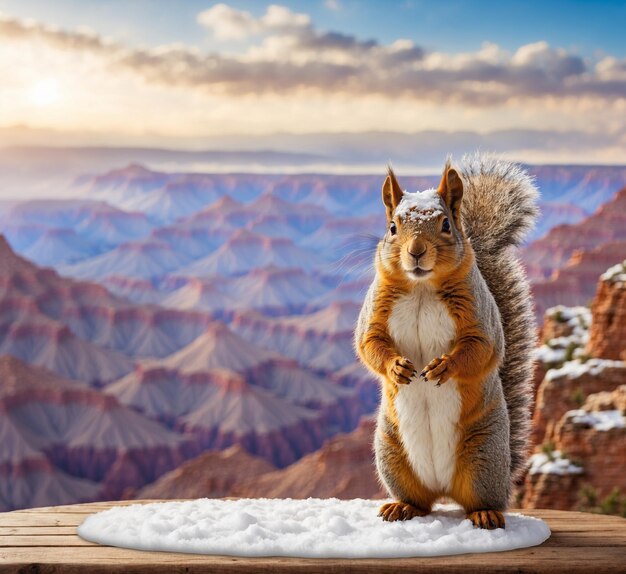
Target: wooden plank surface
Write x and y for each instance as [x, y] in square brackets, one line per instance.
[44, 540]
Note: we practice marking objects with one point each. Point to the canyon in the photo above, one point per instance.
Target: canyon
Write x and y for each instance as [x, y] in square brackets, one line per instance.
[194, 325]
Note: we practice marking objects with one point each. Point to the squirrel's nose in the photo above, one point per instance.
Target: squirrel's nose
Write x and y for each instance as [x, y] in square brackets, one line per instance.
[416, 256]
[416, 250]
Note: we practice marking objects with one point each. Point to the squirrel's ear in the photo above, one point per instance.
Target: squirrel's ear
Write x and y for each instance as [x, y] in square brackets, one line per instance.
[451, 190]
[392, 193]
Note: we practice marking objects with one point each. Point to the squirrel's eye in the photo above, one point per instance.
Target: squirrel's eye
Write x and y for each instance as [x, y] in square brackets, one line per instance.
[392, 228]
[445, 225]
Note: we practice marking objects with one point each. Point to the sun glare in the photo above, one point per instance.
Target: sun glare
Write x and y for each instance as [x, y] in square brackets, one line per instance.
[45, 93]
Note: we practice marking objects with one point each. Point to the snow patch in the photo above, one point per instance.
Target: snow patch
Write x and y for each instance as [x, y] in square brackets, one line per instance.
[555, 463]
[574, 316]
[558, 349]
[599, 420]
[312, 528]
[575, 369]
[615, 274]
[549, 355]
[419, 206]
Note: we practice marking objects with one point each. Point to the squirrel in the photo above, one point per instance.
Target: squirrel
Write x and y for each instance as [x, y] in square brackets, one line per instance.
[448, 326]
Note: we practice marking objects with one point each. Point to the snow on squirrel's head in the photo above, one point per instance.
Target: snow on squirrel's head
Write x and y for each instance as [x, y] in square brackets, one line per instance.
[424, 238]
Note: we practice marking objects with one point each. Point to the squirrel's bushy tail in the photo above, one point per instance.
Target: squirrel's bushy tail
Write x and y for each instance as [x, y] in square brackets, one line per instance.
[499, 207]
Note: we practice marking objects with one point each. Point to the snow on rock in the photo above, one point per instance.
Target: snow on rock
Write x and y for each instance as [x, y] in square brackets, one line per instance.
[574, 316]
[567, 330]
[312, 528]
[607, 336]
[553, 463]
[599, 420]
[550, 355]
[615, 274]
[578, 368]
[419, 206]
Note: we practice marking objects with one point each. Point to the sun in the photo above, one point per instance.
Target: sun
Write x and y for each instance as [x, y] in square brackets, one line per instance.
[45, 93]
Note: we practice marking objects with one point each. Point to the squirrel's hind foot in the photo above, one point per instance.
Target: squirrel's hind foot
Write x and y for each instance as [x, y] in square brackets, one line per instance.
[393, 511]
[487, 519]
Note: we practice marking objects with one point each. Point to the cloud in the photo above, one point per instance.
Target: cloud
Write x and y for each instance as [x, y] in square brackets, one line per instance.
[286, 54]
[78, 40]
[228, 23]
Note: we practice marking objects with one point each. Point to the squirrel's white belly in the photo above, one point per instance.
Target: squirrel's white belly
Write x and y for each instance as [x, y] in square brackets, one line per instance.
[422, 329]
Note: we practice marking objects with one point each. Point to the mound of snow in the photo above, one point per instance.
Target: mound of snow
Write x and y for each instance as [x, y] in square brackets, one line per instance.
[311, 528]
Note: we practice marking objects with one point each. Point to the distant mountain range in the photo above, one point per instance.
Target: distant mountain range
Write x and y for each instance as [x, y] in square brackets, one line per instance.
[163, 384]
[65, 442]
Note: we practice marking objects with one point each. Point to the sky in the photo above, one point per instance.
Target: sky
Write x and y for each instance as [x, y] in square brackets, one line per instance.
[192, 74]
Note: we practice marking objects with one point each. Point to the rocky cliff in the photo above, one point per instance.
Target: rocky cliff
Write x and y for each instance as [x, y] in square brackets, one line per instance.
[607, 338]
[72, 441]
[579, 424]
[342, 468]
[210, 475]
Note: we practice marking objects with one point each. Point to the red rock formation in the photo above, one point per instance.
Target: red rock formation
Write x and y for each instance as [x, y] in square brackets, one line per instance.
[78, 329]
[550, 490]
[81, 432]
[595, 436]
[564, 389]
[322, 340]
[593, 440]
[553, 250]
[342, 468]
[566, 262]
[608, 330]
[212, 474]
[579, 420]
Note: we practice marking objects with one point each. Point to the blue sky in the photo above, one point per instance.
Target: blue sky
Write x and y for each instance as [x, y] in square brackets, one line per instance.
[582, 26]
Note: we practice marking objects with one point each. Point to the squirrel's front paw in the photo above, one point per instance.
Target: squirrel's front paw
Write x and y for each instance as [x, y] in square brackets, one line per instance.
[439, 370]
[401, 371]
